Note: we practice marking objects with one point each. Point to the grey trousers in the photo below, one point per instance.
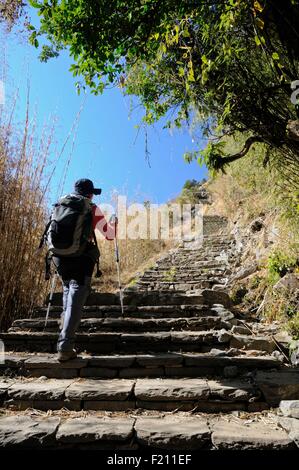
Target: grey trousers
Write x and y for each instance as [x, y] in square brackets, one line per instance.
[74, 298]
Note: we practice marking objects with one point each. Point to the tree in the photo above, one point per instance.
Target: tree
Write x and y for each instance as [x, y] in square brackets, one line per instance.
[11, 11]
[229, 63]
[193, 184]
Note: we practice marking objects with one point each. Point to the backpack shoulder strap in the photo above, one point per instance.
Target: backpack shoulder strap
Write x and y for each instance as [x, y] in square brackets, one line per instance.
[43, 237]
[98, 271]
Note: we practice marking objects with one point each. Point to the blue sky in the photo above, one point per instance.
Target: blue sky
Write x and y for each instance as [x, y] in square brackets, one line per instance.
[107, 148]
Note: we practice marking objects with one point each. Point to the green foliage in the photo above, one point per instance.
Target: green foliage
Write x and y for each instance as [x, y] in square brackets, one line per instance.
[255, 281]
[292, 326]
[169, 276]
[230, 62]
[191, 184]
[189, 193]
[279, 264]
[132, 282]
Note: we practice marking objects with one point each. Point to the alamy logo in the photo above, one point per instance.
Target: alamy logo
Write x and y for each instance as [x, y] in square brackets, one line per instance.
[2, 93]
[153, 221]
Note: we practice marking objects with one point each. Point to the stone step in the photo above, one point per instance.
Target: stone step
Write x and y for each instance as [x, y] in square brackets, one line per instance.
[185, 274]
[154, 431]
[201, 253]
[104, 342]
[120, 342]
[167, 297]
[183, 279]
[217, 362]
[160, 311]
[201, 257]
[177, 285]
[201, 280]
[184, 266]
[200, 265]
[126, 324]
[163, 394]
[187, 284]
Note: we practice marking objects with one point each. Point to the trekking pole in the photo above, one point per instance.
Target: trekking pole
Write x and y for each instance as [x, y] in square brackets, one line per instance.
[118, 269]
[53, 285]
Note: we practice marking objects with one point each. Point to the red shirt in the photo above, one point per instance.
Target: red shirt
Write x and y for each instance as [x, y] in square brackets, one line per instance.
[99, 222]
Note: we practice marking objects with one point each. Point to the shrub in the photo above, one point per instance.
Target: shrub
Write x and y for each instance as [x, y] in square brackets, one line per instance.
[292, 326]
[279, 264]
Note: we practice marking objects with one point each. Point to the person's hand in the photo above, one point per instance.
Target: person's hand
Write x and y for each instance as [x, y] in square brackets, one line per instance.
[113, 220]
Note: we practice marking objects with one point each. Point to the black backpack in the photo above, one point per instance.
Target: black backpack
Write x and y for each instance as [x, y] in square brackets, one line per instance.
[69, 229]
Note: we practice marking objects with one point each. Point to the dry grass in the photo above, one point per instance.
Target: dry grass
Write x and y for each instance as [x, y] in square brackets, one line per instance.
[23, 166]
[135, 257]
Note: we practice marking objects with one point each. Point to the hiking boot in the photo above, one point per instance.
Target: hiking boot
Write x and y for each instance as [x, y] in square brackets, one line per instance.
[67, 355]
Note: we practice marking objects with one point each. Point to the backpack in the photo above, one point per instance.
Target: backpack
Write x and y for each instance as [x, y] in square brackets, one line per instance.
[69, 229]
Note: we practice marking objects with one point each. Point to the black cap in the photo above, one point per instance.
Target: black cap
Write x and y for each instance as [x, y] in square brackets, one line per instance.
[85, 187]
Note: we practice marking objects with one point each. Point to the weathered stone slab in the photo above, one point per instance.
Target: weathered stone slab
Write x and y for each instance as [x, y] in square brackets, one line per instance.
[260, 343]
[194, 337]
[111, 361]
[289, 408]
[43, 405]
[208, 323]
[240, 330]
[173, 432]
[115, 389]
[5, 384]
[189, 371]
[216, 297]
[135, 324]
[231, 390]
[231, 435]
[222, 312]
[219, 406]
[165, 405]
[171, 389]
[146, 338]
[105, 337]
[111, 446]
[142, 372]
[54, 373]
[50, 361]
[39, 390]
[83, 430]
[25, 431]
[224, 336]
[201, 360]
[115, 405]
[173, 359]
[277, 386]
[103, 372]
[13, 360]
[291, 426]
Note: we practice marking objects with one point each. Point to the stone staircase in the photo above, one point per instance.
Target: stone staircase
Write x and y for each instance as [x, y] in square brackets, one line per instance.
[181, 370]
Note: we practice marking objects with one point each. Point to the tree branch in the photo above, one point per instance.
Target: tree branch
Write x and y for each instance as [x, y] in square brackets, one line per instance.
[220, 162]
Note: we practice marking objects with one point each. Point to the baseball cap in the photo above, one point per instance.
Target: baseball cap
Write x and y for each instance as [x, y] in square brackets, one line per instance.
[85, 186]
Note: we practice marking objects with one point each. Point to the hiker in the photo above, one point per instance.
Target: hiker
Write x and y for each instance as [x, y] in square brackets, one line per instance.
[76, 271]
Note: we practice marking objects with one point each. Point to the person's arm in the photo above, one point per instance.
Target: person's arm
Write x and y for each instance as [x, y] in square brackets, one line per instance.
[108, 230]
